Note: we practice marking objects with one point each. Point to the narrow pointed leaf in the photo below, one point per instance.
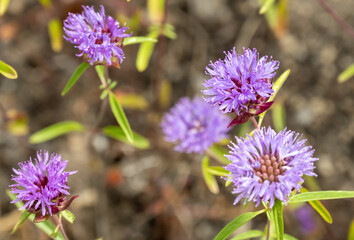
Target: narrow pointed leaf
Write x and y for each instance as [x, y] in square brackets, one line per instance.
[145, 51]
[100, 72]
[69, 216]
[135, 40]
[208, 178]
[22, 219]
[169, 31]
[118, 133]
[218, 153]
[277, 217]
[276, 87]
[320, 195]
[55, 232]
[3, 6]
[346, 74]
[76, 75]
[120, 117]
[7, 70]
[317, 205]
[218, 171]
[46, 3]
[54, 131]
[278, 116]
[266, 6]
[351, 231]
[236, 223]
[289, 237]
[249, 234]
[46, 226]
[55, 34]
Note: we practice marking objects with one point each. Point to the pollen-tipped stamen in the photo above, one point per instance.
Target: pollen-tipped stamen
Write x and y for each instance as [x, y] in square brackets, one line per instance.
[270, 168]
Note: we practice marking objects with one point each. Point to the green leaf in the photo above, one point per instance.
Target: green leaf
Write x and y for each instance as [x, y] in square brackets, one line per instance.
[7, 70]
[69, 216]
[351, 231]
[120, 117]
[135, 40]
[218, 153]
[145, 52]
[317, 205]
[208, 178]
[3, 6]
[54, 234]
[248, 234]
[76, 75]
[278, 116]
[276, 87]
[228, 182]
[46, 226]
[55, 34]
[54, 131]
[236, 223]
[22, 219]
[169, 31]
[118, 133]
[46, 3]
[266, 5]
[218, 171]
[320, 195]
[289, 237]
[346, 74]
[277, 218]
[100, 72]
[103, 94]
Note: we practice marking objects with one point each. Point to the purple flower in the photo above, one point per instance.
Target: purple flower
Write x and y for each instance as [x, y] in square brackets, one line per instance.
[98, 37]
[304, 215]
[269, 165]
[240, 84]
[194, 125]
[41, 185]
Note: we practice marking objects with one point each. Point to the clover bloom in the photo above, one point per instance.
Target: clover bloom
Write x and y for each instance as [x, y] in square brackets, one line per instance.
[98, 37]
[41, 185]
[269, 165]
[194, 125]
[241, 83]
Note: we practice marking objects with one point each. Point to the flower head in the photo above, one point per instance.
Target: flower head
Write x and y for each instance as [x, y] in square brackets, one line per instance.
[194, 125]
[41, 185]
[98, 37]
[269, 165]
[241, 83]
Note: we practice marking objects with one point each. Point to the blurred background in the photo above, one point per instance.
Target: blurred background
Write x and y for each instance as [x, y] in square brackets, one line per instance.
[157, 193]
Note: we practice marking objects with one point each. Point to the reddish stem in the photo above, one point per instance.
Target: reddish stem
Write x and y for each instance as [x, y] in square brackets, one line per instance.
[337, 18]
[255, 122]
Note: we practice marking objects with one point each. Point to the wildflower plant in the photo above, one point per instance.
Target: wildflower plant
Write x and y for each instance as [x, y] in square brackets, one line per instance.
[41, 188]
[194, 125]
[100, 40]
[241, 83]
[266, 167]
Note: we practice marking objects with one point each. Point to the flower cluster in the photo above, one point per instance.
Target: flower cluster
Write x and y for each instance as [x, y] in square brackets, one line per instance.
[269, 165]
[240, 84]
[41, 185]
[98, 37]
[194, 125]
